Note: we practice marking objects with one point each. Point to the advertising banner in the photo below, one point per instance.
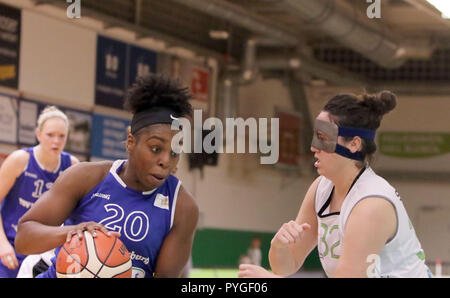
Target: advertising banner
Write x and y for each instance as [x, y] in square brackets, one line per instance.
[10, 23]
[108, 137]
[111, 72]
[8, 119]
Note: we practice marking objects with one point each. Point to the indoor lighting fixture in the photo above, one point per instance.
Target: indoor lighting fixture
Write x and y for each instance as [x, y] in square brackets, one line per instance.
[219, 34]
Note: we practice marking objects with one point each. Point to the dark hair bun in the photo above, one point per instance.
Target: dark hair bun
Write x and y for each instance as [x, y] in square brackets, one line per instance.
[158, 91]
[380, 103]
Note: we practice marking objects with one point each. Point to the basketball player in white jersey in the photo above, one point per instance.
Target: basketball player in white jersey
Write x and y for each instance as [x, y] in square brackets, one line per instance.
[355, 217]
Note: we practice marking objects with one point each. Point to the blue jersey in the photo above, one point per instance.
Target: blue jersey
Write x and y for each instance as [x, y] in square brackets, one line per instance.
[29, 186]
[143, 218]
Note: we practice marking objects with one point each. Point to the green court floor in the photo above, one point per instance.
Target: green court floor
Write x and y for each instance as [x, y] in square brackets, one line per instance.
[213, 273]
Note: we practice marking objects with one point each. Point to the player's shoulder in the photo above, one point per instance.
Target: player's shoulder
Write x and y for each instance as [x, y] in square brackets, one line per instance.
[371, 183]
[89, 171]
[187, 195]
[16, 161]
[315, 183]
[312, 190]
[95, 166]
[187, 211]
[186, 202]
[73, 159]
[19, 155]
[77, 180]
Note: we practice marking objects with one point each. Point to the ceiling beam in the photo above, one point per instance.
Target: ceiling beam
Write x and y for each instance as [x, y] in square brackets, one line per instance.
[141, 32]
[243, 18]
[427, 8]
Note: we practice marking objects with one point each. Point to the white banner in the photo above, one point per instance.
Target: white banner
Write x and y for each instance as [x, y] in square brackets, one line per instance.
[8, 120]
[27, 122]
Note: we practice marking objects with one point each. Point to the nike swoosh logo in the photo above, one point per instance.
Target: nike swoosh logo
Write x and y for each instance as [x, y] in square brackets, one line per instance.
[172, 117]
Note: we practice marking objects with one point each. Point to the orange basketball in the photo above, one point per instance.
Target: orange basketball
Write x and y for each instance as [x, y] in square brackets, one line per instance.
[89, 257]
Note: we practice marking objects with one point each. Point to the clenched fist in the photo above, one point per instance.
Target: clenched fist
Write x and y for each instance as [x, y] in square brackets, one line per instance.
[289, 234]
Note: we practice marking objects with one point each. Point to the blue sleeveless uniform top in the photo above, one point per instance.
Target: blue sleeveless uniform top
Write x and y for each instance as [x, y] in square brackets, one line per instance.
[29, 186]
[143, 218]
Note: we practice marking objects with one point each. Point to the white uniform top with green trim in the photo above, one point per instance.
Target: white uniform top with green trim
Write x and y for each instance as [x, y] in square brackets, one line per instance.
[402, 256]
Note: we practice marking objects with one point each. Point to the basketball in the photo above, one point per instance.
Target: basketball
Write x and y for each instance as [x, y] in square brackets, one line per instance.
[89, 257]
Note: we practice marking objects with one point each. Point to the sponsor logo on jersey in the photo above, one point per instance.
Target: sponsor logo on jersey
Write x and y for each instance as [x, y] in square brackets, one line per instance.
[25, 203]
[101, 195]
[137, 272]
[135, 256]
[32, 175]
[161, 201]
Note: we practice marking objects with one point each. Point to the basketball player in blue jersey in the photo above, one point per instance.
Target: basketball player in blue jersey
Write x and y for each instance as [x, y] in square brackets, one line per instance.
[355, 217]
[25, 175]
[137, 199]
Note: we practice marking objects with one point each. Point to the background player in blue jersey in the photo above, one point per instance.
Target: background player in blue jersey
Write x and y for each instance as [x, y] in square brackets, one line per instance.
[137, 199]
[25, 175]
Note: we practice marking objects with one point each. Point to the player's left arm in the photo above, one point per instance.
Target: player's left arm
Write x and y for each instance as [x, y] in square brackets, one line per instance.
[177, 246]
[370, 225]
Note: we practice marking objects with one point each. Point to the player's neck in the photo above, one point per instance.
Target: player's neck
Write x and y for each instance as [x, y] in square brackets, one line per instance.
[46, 161]
[130, 179]
[344, 181]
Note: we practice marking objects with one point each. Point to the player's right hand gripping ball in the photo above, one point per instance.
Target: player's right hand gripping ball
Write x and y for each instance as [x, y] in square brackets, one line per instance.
[89, 257]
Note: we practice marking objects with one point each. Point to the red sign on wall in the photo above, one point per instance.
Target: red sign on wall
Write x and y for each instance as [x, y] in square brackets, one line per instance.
[200, 84]
[290, 124]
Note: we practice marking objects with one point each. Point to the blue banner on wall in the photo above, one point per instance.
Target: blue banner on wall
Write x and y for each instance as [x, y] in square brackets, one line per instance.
[142, 62]
[111, 72]
[108, 137]
[9, 46]
[118, 66]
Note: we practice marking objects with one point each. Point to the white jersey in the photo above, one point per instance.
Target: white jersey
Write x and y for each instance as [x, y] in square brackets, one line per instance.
[255, 256]
[401, 256]
[26, 268]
